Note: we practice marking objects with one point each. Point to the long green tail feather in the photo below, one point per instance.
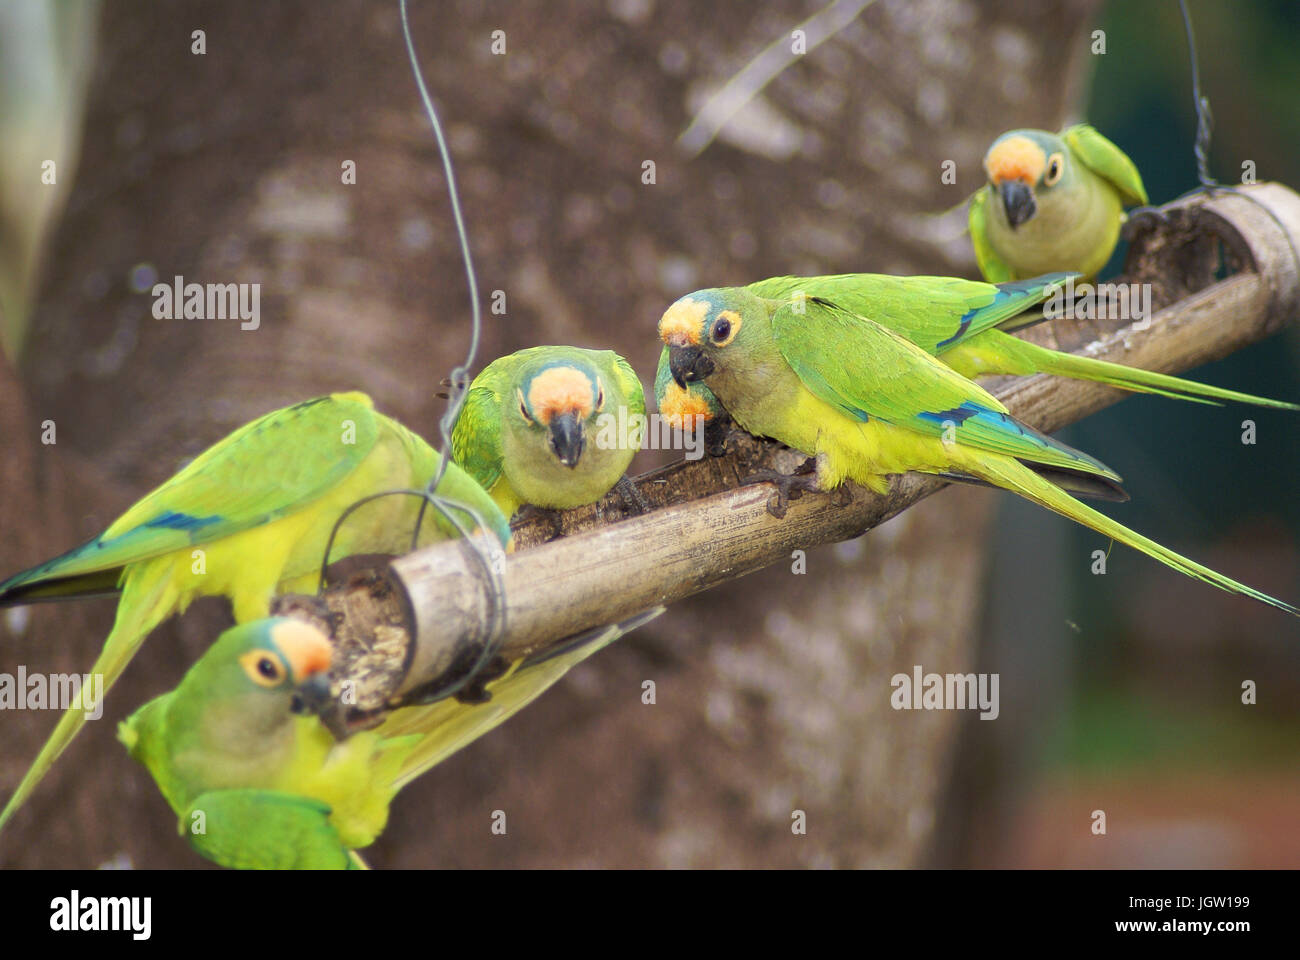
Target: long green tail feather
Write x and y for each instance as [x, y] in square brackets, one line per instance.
[1018, 478]
[144, 604]
[101, 583]
[1140, 381]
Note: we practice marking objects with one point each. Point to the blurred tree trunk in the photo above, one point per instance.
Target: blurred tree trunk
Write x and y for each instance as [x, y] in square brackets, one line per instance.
[773, 694]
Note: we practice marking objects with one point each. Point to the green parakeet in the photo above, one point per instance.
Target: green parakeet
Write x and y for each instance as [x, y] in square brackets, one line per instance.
[254, 782]
[865, 403]
[1052, 203]
[247, 518]
[555, 427]
[964, 324]
[258, 782]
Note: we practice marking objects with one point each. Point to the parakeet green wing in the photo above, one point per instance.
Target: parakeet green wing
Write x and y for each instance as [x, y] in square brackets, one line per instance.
[630, 385]
[1107, 161]
[313, 445]
[478, 450]
[878, 377]
[935, 313]
[249, 829]
[966, 324]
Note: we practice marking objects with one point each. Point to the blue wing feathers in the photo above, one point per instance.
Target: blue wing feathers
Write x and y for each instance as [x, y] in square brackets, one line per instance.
[173, 520]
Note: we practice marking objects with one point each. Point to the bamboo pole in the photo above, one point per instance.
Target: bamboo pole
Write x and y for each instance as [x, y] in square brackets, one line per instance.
[705, 531]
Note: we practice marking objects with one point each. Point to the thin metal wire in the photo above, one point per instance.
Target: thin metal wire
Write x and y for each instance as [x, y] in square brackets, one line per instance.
[1204, 116]
[494, 580]
[495, 608]
[459, 375]
[1204, 133]
[443, 505]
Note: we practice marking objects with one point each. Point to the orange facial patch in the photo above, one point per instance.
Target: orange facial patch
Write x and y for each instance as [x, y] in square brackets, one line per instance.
[559, 390]
[679, 406]
[1015, 158]
[682, 322]
[305, 647]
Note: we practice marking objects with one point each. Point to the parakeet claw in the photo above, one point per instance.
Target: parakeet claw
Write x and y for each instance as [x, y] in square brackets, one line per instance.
[789, 486]
[530, 511]
[636, 503]
[717, 434]
[842, 496]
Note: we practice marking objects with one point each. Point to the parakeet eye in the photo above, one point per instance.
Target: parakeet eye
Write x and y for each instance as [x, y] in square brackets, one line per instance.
[1055, 167]
[725, 328]
[600, 396]
[263, 668]
[523, 407]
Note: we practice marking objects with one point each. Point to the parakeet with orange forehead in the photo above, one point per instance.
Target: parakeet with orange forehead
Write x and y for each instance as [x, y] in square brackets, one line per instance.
[1052, 203]
[964, 323]
[246, 519]
[555, 427]
[256, 779]
[864, 402]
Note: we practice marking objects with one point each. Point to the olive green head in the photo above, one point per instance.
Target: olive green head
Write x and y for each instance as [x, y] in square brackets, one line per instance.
[1023, 168]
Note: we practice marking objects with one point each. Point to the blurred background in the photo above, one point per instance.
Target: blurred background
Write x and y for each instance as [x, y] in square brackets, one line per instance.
[1135, 678]
[1119, 692]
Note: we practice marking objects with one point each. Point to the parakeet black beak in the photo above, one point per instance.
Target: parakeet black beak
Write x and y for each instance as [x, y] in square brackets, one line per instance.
[566, 438]
[313, 695]
[1018, 202]
[688, 364]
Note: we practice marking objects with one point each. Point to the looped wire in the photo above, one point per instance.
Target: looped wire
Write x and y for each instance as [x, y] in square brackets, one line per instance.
[494, 628]
[494, 575]
[1204, 133]
[460, 374]
[1204, 116]
[459, 378]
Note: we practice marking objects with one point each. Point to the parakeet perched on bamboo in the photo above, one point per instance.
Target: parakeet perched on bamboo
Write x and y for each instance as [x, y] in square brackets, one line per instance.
[1053, 202]
[555, 427]
[865, 402]
[258, 782]
[962, 322]
[248, 518]
[255, 780]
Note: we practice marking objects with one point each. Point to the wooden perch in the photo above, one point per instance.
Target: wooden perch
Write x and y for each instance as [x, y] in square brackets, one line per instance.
[704, 530]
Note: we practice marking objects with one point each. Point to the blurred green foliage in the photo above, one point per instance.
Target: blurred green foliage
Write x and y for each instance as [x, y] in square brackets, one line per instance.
[1117, 731]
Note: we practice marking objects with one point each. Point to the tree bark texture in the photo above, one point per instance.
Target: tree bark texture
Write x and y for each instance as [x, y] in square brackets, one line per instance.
[772, 692]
